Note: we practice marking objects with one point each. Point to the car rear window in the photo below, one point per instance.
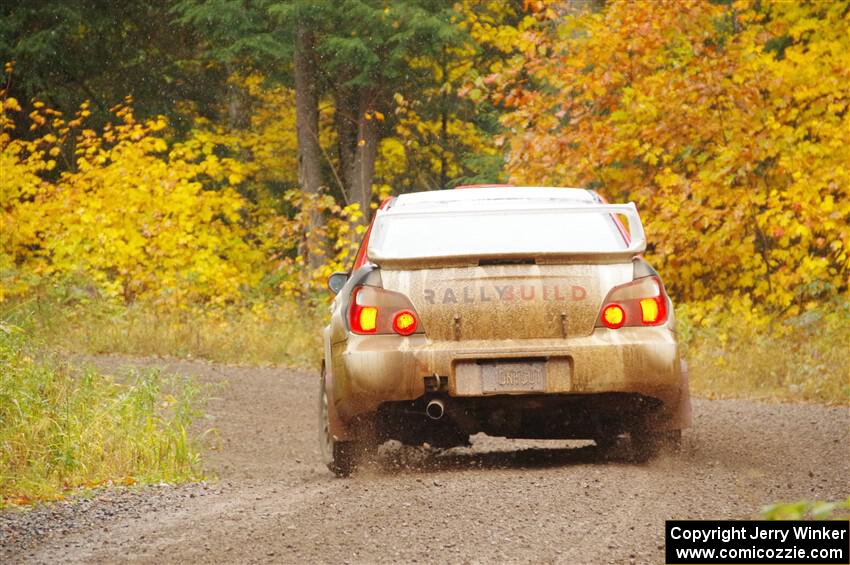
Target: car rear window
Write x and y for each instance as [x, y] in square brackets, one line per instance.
[491, 232]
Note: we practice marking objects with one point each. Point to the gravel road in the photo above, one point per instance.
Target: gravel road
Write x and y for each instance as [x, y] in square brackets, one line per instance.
[500, 501]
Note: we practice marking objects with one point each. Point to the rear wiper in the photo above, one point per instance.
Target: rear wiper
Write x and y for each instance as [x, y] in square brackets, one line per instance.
[526, 261]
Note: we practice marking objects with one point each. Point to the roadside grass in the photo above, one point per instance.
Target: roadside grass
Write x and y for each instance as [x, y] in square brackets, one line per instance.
[806, 358]
[808, 509]
[283, 332]
[65, 430]
[736, 353]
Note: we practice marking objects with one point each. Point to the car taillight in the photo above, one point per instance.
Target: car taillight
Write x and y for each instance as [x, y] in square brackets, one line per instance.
[613, 316]
[374, 310]
[650, 310]
[404, 322]
[364, 319]
[639, 303]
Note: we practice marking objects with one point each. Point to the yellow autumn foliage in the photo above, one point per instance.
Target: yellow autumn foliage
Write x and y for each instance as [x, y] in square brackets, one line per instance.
[727, 124]
[135, 215]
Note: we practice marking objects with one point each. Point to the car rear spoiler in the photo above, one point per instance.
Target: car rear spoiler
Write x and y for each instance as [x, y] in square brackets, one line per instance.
[635, 237]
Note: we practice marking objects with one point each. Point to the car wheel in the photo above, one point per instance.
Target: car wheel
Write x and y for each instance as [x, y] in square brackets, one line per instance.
[344, 460]
[338, 456]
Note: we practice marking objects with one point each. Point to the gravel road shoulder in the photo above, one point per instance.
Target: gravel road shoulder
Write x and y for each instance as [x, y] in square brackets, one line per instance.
[271, 501]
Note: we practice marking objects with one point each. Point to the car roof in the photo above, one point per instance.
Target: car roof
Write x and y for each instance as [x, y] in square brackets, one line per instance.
[513, 194]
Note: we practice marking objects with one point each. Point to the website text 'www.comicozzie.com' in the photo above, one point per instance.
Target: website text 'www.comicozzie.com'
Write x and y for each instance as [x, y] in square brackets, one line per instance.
[758, 542]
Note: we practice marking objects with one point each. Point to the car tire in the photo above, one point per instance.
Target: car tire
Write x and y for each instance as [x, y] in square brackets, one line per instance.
[341, 457]
[344, 459]
[338, 456]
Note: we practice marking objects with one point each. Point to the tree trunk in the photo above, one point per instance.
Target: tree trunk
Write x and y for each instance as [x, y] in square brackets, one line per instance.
[307, 130]
[444, 126]
[238, 111]
[358, 133]
[444, 142]
[368, 137]
[346, 134]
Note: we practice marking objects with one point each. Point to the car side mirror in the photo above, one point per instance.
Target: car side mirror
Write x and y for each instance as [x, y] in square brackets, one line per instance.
[336, 281]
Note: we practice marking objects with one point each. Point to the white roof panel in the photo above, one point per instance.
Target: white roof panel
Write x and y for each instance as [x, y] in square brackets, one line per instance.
[428, 227]
[458, 198]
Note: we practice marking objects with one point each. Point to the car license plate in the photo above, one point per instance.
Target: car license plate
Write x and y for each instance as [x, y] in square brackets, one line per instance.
[528, 376]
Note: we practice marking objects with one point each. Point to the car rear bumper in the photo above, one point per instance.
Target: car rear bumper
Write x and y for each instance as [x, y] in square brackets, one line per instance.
[371, 370]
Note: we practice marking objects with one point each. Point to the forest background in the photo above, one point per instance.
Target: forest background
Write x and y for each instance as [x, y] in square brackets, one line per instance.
[181, 177]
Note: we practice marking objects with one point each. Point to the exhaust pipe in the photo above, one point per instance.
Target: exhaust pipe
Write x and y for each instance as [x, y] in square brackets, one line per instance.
[435, 409]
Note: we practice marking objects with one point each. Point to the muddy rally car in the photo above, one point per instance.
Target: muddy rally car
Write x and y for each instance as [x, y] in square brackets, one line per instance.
[514, 311]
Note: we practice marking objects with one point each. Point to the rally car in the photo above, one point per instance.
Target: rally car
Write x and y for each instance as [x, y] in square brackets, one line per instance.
[520, 312]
